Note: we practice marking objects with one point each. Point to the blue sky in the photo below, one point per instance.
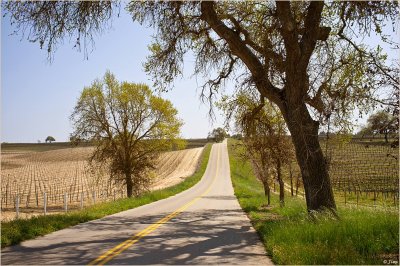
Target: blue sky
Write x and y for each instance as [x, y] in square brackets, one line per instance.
[38, 97]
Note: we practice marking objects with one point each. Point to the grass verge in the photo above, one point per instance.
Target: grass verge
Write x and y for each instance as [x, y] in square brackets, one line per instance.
[361, 236]
[15, 231]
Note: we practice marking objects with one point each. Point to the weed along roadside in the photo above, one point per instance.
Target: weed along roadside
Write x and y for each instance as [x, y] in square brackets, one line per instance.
[13, 232]
[290, 236]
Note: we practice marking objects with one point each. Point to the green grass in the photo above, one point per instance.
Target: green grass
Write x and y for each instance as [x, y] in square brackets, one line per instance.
[15, 231]
[291, 236]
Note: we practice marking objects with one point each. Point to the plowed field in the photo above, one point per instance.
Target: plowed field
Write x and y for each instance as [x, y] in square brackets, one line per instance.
[61, 173]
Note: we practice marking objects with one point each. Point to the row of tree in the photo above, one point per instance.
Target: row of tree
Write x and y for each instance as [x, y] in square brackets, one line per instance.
[264, 135]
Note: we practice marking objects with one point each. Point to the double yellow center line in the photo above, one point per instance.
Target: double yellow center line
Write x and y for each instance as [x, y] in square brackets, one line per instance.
[110, 254]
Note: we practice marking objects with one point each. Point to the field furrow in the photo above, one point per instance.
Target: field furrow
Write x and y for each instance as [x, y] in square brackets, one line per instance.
[33, 176]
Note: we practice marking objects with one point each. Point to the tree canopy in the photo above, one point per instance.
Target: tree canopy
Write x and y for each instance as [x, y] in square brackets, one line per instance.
[383, 123]
[218, 134]
[259, 43]
[129, 125]
[50, 139]
[49, 23]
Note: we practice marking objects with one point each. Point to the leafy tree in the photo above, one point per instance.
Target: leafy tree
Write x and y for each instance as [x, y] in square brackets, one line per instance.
[50, 139]
[129, 125]
[218, 134]
[294, 54]
[382, 123]
[302, 56]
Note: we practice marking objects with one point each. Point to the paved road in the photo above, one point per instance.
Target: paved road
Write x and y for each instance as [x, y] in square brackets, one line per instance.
[203, 225]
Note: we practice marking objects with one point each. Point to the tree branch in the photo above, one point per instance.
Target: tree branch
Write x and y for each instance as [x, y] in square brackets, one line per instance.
[264, 51]
[239, 48]
[312, 31]
[288, 30]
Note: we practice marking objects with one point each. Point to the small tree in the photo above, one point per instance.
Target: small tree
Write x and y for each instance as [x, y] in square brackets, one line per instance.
[218, 134]
[382, 123]
[50, 139]
[264, 135]
[129, 126]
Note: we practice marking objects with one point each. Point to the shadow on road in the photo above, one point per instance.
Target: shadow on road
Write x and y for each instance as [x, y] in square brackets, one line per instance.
[197, 237]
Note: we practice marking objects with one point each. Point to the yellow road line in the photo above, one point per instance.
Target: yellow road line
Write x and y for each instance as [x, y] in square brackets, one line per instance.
[110, 254]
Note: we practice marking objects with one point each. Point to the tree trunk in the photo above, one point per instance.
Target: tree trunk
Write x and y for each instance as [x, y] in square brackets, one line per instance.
[267, 192]
[129, 185]
[281, 184]
[291, 178]
[304, 132]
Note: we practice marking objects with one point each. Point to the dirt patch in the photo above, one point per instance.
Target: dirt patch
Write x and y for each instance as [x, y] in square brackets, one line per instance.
[175, 166]
[61, 155]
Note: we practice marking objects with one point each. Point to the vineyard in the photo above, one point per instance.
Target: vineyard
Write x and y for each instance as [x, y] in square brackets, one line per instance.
[362, 173]
[60, 180]
[365, 173]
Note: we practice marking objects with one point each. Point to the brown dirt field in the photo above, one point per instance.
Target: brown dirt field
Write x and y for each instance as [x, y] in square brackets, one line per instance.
[175, 166]
[56, 172]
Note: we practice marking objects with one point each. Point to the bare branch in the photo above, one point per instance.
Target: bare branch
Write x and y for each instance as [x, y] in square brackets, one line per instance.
[238, 48]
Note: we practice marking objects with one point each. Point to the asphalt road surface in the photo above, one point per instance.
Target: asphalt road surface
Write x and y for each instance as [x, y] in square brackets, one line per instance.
[202, 225]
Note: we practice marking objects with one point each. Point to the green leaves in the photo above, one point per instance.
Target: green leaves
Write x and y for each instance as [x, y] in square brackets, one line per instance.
[130, 125]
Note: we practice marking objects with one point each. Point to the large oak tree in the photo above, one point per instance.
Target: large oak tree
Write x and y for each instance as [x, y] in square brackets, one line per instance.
[305, 57]
[297, 55]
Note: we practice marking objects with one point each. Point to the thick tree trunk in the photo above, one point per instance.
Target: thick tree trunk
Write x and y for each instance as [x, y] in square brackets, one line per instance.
[304, 132]
[267, 192]
[281, 184]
